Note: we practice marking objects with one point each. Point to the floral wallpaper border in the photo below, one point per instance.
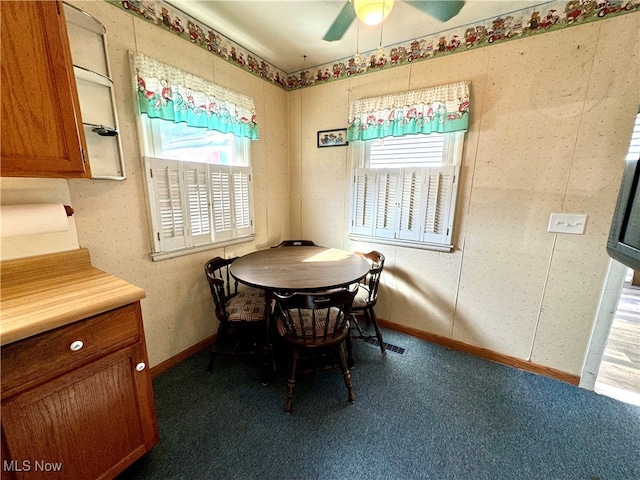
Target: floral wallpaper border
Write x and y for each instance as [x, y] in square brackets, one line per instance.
[546, 17]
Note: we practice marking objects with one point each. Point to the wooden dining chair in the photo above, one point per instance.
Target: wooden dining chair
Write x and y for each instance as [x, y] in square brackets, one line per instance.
[367, 296]
[314, 326]
[295, 243]
[241, 312]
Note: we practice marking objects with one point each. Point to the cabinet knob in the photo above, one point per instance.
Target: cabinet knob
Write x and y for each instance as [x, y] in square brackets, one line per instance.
[141, 366]
[75, 346]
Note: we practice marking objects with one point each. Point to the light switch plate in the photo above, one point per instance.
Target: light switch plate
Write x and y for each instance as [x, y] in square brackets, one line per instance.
[567, 223]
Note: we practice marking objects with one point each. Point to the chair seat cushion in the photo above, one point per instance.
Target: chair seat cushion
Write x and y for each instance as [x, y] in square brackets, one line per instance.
[247, 306]
[304, 317]
[361, 299]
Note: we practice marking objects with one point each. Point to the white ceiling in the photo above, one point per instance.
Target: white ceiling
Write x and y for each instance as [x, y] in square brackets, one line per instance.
[288, 34]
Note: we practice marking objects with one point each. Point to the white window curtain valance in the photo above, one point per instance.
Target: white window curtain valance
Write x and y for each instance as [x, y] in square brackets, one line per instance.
[440, 109]
[172, 94]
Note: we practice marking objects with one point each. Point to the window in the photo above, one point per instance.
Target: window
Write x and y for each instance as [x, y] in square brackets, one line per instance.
[404, 189]
[634, 146]
[200, 186]
[408, 150]
[195, 139]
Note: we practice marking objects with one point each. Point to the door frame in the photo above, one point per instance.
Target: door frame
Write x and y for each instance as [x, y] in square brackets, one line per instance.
[607, 307]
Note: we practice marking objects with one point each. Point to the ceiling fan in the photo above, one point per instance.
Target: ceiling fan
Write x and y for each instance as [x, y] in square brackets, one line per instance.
[443, 10]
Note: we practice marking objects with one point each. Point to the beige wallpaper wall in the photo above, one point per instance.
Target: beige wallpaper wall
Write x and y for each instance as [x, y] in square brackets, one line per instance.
[112, 216]
[551, 118]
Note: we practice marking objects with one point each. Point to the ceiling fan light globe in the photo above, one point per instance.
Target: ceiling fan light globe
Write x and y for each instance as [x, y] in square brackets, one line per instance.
[372, 12]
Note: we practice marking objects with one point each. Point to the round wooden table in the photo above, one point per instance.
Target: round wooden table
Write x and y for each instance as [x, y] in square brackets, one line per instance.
[299, 269]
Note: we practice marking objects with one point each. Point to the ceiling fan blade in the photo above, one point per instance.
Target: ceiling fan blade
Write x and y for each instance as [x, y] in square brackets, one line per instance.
[341, 24]
[443, 10]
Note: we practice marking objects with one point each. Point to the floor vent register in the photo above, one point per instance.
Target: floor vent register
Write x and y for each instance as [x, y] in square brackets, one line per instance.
[388, 346]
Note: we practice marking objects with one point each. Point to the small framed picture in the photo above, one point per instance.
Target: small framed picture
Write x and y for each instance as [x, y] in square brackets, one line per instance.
[332, 138]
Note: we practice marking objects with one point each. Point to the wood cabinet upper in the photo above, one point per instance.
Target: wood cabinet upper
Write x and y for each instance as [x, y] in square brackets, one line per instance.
[42, 133]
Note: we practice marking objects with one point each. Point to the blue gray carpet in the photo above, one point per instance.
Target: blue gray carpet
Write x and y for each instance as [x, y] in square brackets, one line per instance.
[428, 414]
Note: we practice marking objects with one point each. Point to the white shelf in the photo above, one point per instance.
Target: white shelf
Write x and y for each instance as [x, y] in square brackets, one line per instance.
[88, 41]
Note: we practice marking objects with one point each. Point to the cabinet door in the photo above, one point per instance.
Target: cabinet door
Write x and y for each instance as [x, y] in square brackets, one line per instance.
[90, 423]
[42, 133]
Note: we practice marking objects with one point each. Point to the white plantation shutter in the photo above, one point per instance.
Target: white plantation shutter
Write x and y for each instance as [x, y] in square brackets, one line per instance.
[197, 204]
[386, 212]
[241, 177]
[412, 186]
[364, 189]
[439, 200]
[222, 206]
[198, 216]
[412, 204]
[404, 189]
[169, 228]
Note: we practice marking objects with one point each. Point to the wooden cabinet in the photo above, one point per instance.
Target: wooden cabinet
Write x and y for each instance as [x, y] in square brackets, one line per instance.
[42, 134]
[78, 410]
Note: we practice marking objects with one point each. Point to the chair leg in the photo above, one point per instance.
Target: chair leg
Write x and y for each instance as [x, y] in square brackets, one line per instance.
[372, 316]
[346, 373]
[350, 362]
[354, 317]
[212, 357]
[291, 382]
[269, 323]
[270, 366]
[220, 339]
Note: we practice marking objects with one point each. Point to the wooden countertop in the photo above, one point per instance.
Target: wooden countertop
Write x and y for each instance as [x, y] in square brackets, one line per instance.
[49, 291]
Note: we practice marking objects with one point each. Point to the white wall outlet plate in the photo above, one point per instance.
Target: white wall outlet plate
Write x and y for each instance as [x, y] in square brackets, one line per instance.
[567, 223]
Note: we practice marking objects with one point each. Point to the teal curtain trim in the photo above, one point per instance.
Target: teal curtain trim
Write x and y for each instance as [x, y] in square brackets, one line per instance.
[398, 128]
[177, 112]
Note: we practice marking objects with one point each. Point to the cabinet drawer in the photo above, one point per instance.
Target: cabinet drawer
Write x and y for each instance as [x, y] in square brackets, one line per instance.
[35, 359]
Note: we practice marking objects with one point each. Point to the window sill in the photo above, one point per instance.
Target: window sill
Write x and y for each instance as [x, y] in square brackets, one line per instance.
[403, 243]
[158, 256]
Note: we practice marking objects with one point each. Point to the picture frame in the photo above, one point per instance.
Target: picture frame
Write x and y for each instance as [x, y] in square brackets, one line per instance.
[332, 138]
